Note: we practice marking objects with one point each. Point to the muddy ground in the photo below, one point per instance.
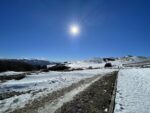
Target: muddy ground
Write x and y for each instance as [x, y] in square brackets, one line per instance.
[95, 99]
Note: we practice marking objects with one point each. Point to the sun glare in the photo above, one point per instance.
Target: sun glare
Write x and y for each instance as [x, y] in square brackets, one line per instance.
[74, 30]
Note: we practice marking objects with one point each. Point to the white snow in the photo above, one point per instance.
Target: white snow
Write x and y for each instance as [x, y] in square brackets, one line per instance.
[84, 65]
[15, 102]
[46, 82]
[8, 73]
[133, 91]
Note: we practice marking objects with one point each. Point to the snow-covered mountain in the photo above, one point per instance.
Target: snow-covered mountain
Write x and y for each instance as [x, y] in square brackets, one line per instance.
[23, 64]
[38, 62]
[100, 62]
[130, 59]
[95, 60]
[31, 61]
[135, 58]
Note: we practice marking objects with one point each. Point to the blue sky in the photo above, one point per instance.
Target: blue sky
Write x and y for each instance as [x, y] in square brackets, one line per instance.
[40, 28]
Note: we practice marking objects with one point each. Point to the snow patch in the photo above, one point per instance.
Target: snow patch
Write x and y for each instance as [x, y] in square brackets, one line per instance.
[133, 91]
[8, 73]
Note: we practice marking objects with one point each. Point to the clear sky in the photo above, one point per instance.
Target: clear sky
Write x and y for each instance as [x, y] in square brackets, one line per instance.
[40, 28]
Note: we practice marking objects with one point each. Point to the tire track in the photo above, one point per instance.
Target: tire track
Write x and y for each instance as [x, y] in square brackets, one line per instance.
[97, 98]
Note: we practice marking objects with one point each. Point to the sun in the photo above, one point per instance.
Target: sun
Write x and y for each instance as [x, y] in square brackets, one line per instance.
[74, 30]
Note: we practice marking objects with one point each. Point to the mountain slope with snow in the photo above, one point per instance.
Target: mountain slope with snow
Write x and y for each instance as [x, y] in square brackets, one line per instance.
[100, 62]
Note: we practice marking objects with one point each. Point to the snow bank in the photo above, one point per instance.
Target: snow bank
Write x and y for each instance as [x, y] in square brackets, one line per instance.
[133, 91]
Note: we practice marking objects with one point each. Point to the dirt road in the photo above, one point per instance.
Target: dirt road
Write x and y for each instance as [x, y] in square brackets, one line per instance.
[95, 99]
[91, 95]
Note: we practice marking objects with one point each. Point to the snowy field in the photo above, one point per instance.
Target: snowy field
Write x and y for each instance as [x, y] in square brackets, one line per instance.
[40, 85]
[133, 91]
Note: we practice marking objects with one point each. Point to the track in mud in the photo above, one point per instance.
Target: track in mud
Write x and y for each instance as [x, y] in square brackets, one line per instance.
[95, 99]
[57, 103]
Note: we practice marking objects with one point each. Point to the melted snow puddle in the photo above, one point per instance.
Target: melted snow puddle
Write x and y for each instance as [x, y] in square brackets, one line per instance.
[52, 107]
